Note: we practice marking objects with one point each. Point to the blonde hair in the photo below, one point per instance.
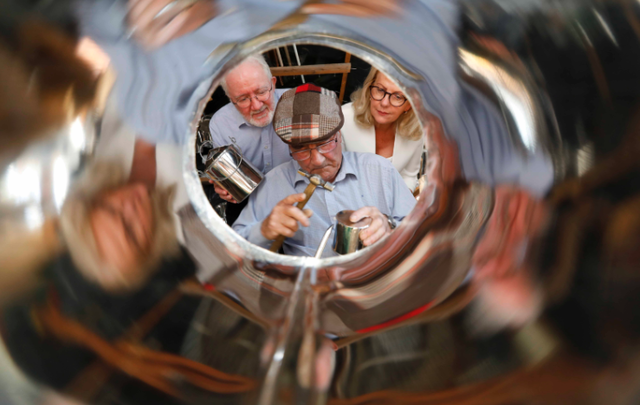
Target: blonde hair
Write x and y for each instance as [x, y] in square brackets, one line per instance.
[77, 231]
[407, 125]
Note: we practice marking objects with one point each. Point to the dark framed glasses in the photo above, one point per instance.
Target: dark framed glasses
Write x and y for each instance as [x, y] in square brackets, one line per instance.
[322, 148]
[395, 99]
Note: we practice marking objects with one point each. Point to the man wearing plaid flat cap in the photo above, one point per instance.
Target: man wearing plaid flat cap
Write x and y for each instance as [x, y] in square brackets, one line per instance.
[309, 118]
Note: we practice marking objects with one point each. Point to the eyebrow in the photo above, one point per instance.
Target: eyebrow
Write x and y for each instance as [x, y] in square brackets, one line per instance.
[399, 93]
[254, 90]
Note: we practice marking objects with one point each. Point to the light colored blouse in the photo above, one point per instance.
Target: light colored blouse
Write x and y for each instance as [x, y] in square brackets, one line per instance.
[406, 153]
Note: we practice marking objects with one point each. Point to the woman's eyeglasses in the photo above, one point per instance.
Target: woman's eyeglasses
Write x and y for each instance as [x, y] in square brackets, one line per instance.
[322, 148]
[395, 99]
[260, 95]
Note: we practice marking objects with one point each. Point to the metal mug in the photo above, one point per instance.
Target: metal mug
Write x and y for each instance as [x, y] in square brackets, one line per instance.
[346, 238]
[228, 168]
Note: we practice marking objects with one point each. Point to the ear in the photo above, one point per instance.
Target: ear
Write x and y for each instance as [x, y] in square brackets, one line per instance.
[273, 80]
[407, 107]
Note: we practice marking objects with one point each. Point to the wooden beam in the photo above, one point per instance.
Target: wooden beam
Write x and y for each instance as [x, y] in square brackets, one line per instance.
[325, 69]
[343, 85]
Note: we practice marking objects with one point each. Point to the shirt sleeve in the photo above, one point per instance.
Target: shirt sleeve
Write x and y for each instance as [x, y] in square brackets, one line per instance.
[214, 129]
[250, 220]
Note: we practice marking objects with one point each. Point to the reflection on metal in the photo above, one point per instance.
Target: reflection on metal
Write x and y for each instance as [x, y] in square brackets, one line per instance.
[231, 171]
[347, 237]
[35, 184]
[386, 324]
[515, 97]
[323, 242]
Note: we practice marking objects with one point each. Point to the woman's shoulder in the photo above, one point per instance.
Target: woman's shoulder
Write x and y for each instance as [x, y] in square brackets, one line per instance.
[349, 119]
[349, 113]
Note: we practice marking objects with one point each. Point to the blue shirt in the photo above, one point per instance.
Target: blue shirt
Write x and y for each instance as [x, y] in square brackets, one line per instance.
[260, 146]
[364, 180]
[159, 90]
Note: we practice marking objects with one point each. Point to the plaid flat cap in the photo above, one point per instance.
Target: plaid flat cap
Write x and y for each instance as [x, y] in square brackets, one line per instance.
[307, 114]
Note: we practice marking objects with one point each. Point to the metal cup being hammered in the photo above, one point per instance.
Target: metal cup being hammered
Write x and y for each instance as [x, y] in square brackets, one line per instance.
[346, 238]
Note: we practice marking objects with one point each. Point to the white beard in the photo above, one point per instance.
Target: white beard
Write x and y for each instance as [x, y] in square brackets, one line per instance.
[264, 123]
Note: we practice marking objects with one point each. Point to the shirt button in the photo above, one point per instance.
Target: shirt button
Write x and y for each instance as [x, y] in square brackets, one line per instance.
[266, 147]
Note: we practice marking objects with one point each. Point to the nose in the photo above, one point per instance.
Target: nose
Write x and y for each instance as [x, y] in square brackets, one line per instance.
[316, 158]
[385, 100]
[255, 103]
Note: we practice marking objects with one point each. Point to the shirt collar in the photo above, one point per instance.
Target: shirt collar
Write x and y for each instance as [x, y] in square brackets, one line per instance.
[346, 169]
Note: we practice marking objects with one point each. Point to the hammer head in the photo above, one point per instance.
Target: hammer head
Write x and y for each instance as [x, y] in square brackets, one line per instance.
[317, 180]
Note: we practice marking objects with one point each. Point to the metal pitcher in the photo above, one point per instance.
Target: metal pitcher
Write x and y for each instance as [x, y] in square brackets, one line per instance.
[346, 238]
[228, 168]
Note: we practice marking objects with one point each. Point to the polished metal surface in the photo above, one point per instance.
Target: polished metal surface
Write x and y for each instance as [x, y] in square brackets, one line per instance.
[205, 142]
[346, 238]
[458, 305]
[228, 168]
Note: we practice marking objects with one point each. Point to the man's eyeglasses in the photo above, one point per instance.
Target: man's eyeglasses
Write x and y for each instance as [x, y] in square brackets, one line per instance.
[395, 99]
[260, 95]
[323, 148]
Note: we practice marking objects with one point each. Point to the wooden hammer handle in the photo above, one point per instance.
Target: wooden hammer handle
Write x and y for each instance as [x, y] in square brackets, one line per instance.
[308, 192]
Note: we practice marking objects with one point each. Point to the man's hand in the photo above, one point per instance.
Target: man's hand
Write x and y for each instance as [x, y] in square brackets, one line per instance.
[378, 228]
[224, 194]
[284, 218]
[356, 8]
[156, 22]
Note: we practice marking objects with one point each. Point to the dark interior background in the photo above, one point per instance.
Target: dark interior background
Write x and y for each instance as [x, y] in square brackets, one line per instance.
[309, 55]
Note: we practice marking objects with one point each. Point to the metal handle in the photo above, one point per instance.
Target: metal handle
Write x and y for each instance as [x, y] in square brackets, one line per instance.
[280, 239]
[323, 242]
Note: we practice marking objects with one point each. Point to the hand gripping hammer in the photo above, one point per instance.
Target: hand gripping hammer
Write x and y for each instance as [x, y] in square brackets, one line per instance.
[314, 181]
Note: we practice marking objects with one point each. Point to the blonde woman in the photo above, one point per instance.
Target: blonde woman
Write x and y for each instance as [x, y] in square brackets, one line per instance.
[380, 120]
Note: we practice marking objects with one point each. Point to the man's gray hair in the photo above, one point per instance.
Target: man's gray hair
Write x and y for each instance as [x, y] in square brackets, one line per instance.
[257, 59]
[78, 234]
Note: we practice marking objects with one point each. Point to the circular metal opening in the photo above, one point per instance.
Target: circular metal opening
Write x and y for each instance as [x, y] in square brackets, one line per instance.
[234, 243]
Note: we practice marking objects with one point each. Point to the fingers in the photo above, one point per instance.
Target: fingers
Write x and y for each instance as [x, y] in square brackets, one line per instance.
[285, 218]
[378, 228]
[156, 22]
[142, 12]
[356, 8]
[292, 199]
[286, 209]
[224, 194]
[283, 221]
[364, 212]
[338, 9]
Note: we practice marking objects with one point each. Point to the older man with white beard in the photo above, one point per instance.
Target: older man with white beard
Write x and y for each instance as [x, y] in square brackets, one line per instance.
[246, 121]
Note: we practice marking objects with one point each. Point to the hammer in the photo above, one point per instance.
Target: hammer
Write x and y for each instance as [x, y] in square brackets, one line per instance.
[314, 181]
